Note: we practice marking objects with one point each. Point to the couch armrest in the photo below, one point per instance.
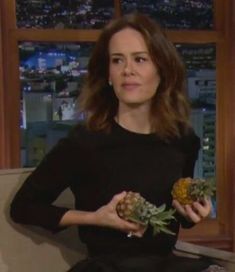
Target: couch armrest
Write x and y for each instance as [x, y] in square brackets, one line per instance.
[221, 257]
[26, 248]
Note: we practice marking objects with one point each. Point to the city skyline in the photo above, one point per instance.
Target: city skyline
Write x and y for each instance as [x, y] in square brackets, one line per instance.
[84, 14]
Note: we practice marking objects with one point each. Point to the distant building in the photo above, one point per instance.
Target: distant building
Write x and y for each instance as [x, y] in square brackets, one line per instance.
[204, 122]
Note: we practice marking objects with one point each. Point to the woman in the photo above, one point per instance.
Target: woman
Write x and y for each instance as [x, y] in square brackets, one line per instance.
[136, 137]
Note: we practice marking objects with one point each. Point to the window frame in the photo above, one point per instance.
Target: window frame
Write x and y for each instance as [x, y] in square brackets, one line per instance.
[217, 232]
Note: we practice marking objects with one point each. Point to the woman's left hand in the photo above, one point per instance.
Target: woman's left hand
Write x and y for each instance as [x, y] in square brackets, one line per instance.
[195, 212]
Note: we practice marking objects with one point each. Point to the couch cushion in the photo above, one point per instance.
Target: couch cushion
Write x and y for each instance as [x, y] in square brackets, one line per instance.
[30, 248]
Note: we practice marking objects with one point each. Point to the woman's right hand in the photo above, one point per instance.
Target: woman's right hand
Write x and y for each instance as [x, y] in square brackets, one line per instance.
[107, 216]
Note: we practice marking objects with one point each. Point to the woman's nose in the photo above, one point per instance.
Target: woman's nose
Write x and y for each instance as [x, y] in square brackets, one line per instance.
[128, 68]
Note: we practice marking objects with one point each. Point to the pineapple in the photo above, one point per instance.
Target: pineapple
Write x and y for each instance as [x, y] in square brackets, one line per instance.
[133, 207]
[188, 190]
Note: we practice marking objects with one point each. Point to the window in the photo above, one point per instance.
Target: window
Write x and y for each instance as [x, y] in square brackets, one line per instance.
[51, 75]
[44, 54]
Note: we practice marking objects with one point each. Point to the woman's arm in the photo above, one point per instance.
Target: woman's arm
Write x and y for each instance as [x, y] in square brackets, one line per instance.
[33, 203]
[190, 215]
[106, 216]
[190, 146]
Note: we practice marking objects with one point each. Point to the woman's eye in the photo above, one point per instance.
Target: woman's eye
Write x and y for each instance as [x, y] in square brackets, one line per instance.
[116, 60]
[140, 59]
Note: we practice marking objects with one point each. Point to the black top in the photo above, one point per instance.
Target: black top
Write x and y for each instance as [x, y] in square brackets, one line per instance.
[98, 165]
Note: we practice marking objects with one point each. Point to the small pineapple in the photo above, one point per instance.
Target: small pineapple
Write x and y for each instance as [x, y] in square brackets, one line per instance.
[188, 190]
[133, 207]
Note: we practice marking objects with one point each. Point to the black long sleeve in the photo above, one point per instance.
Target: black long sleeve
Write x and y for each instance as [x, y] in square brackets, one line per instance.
[33, 202]
[191, 149]
[98, 165]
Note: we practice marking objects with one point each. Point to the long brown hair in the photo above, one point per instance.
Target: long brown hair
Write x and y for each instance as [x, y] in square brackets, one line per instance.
[169, 114]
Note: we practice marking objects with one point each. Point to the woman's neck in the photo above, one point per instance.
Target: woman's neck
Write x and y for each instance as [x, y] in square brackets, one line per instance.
[135, 121]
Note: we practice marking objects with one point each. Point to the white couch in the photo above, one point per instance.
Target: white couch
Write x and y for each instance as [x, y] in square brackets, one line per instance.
[31, 249]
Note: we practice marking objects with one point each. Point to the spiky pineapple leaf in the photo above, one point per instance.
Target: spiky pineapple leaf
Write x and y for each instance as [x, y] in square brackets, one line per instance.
[137, 220]
[159, 221]
[157, 230]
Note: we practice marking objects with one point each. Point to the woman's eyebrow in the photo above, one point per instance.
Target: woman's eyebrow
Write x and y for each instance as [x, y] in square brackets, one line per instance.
[116, 54]
[132, 53]
[140, 52]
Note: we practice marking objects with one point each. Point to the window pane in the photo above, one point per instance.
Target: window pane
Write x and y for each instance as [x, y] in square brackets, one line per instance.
[175, 14]
[201, 81]
[51, 76]
[63, 13]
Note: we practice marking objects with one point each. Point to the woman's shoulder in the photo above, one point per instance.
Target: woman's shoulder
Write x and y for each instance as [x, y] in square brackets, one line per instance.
[77, 130]
[80, 134]
[189, 140]
[191, 135]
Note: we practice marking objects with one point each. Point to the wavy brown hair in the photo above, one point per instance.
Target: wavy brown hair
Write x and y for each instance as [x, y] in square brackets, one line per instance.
[169, 114]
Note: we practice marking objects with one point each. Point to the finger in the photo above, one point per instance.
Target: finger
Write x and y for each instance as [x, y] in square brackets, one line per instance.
[117, 198]
[192, 215]
[126, 226]
[207, 202]
[133, 227]
[139, 232]
[179, 207]
[203, 210]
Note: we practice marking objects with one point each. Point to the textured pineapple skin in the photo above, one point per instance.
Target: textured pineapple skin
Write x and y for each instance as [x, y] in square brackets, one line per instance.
[126, 206]
[180, 191]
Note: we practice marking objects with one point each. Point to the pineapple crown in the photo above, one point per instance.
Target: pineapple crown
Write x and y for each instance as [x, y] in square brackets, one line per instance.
[160, 219]
[201, 188]
[146, 213]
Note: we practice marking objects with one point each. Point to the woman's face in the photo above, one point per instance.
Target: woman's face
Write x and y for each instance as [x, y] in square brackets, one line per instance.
[132, 73]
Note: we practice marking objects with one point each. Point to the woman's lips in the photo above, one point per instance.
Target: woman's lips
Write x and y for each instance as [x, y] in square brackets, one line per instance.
[130, 86]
